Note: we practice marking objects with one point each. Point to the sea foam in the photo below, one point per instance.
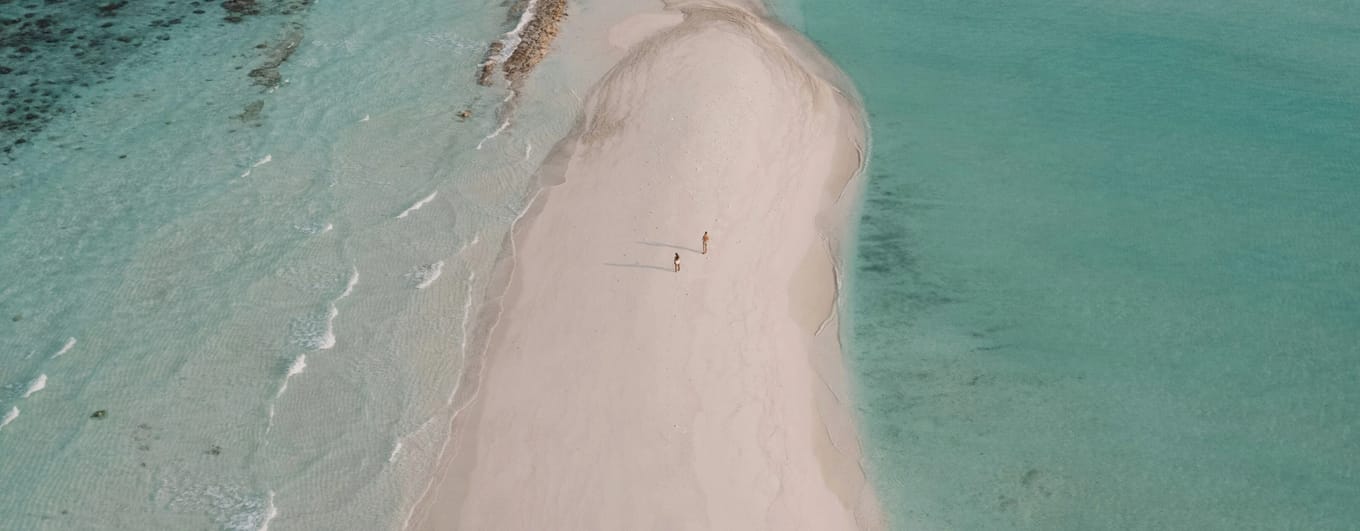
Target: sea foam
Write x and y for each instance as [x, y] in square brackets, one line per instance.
[270, 511]
[349, 286]
[316, 332]
[505, 124]
[467, 309]
[511, 39]
[425, 275]
[463, 327]
[327, 339]
[10, 415]
[509, 42]
[257, 164]
[295, 368]
[231, 507]
[314, 228]
[70, 343]
[38, 384]
[418, 204]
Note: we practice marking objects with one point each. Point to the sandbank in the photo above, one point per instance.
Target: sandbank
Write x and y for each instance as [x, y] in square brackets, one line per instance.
[615, 393]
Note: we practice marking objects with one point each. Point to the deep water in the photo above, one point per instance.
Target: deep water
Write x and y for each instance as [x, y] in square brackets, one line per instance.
[1108, 264]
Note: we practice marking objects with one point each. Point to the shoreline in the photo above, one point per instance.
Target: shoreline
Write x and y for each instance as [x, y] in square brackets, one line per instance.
[829, 488]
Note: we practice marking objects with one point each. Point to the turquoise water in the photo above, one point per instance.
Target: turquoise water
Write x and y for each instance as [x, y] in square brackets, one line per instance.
[1107, 272]
[1108, 266]
[264, 283]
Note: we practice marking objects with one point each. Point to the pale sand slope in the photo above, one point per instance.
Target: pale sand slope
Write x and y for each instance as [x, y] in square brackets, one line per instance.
[618, 395]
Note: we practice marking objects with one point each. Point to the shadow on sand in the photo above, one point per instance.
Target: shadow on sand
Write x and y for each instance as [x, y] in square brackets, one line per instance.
[642, 266]
[669, 246]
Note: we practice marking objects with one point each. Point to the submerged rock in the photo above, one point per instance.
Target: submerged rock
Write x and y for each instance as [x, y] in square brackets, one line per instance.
[111, 8]
[488, 67]
[251, 113]
[535, 40]
[267, 75]
[241, 7]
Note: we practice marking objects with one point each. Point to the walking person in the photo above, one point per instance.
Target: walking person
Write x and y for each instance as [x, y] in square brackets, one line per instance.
[705, 242]
[677, 262]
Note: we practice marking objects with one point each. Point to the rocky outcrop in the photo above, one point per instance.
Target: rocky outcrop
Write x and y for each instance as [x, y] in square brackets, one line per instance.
[535, 40]
[488, 70]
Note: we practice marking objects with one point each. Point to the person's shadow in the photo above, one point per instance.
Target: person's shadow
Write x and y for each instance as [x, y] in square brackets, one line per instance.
[669, 246]
[658, 268]
[642, 266]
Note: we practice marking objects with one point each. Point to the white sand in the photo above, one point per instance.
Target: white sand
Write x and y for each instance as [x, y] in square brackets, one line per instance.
[619, 395]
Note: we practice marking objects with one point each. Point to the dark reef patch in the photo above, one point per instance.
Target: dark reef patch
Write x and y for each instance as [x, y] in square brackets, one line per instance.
[267, 74]
[251, 113]
[52, 51]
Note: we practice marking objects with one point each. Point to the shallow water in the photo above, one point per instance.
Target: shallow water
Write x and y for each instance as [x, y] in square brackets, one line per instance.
[264, 283]
[1108, 262]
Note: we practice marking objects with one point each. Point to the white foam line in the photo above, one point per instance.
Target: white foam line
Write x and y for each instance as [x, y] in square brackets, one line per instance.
[435, 271]
[38, 384]
[468, 245]
[353, 281]
[511, 39]
[270, 512]
[70, 343]
[257, 164]
[480, 374]
[463, 342]
[10, 415]
[295, 368]
[398, 447]
[494, 134]
[328, 340]
[298, 365]
[422, 426]
[418, 204]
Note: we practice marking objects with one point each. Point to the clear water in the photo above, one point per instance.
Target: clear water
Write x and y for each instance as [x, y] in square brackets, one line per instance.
[1108, 266]
[234, 270]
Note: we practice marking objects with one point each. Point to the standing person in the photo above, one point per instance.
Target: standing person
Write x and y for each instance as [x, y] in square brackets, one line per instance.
[705, 242]
[677, 262]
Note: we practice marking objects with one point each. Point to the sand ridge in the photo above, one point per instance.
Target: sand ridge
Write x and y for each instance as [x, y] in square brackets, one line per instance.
[618, 394]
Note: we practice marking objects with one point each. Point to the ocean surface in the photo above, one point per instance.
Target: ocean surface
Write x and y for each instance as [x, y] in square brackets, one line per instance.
[1108, 264]
[241, 244]
[1107, 273]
